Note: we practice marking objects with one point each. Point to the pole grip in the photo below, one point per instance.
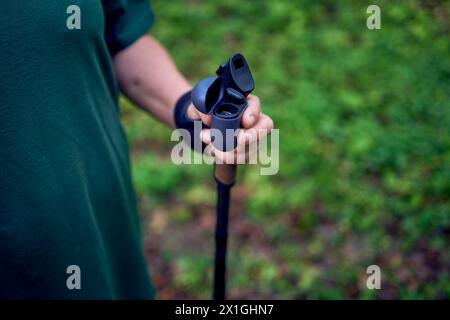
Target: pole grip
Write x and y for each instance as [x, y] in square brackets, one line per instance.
[225, 173]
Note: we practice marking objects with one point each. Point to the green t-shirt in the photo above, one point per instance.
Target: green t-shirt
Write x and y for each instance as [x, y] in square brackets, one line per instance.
[66, 196]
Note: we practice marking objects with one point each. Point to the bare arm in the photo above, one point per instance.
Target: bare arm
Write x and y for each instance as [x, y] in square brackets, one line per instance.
[148, 76]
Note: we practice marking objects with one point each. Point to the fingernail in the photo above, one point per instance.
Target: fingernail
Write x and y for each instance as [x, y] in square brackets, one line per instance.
[252, 119]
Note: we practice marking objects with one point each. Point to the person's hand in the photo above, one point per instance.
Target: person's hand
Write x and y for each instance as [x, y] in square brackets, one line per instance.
[255, 126]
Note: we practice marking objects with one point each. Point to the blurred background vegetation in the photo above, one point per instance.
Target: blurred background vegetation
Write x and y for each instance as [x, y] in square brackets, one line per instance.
[364, 119]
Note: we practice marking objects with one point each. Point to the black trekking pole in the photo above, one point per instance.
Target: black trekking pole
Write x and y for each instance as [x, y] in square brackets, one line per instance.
[224, 98]
[224, 175]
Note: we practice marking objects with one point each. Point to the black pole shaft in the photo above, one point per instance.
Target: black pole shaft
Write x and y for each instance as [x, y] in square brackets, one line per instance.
[223, 203]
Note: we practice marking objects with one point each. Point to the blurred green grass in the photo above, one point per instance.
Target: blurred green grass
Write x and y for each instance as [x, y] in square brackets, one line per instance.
[364, 119]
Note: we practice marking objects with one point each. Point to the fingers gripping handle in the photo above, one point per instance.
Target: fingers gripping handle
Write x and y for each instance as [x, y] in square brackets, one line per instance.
[224, 98]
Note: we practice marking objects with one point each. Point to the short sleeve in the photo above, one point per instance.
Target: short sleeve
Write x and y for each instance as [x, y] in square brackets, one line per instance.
[125, 22]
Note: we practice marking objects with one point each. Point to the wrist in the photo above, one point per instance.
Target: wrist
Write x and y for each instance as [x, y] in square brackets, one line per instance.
[180, 111]
[184, 116]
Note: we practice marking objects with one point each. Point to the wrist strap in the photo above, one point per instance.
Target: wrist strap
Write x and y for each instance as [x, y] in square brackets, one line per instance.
[182, 121]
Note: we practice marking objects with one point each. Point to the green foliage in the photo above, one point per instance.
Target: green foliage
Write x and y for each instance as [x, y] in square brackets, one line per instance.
[364, 119]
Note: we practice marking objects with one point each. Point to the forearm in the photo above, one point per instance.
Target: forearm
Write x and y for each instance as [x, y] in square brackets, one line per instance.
[148, 77]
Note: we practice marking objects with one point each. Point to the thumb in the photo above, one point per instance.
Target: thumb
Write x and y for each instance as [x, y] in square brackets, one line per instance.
[192, 113]
[206, 119]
